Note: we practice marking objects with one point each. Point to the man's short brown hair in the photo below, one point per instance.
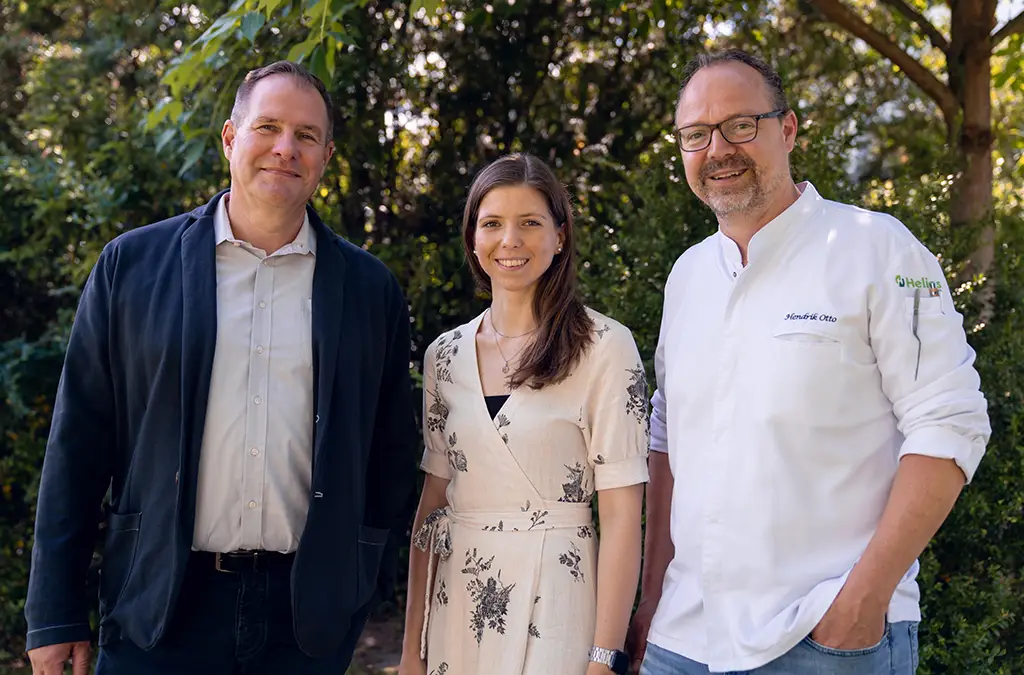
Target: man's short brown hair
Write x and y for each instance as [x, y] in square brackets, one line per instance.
[769, 74]
[238, 111]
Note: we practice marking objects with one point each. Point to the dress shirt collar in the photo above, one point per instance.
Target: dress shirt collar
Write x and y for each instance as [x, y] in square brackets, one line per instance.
[304, 242]
[768, 238]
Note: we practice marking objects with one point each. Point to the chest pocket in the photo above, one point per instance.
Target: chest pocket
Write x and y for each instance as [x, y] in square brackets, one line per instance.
[807, 379]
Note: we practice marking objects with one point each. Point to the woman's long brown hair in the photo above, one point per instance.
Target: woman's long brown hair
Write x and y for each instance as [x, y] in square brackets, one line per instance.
[564, 328]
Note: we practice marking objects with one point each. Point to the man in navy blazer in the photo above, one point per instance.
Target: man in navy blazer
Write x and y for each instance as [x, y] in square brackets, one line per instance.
[237, 383]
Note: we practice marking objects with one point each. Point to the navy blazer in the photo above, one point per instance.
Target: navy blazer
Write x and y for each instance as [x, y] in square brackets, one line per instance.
[129, 417]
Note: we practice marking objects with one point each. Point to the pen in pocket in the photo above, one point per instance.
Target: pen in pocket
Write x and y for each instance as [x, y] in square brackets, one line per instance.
[913, 327]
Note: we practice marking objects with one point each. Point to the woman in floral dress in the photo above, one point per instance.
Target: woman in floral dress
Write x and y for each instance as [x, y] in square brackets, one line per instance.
[529, 409]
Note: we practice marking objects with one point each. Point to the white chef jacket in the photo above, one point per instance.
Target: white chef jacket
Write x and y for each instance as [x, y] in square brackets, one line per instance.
[788, 390]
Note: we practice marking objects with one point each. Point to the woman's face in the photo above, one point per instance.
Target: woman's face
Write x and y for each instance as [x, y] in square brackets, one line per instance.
[516, 237]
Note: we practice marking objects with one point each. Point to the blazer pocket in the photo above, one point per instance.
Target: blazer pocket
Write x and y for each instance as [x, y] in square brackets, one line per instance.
[119, 551]
[372, 541]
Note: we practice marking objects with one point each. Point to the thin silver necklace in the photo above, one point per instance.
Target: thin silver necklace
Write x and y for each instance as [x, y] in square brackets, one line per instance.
[506, 368]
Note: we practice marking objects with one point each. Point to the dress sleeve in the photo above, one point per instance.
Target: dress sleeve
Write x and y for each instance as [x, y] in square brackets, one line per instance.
[435, 415]
[616, 413]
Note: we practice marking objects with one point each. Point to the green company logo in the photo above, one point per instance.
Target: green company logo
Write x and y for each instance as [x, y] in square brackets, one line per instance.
[923, 282]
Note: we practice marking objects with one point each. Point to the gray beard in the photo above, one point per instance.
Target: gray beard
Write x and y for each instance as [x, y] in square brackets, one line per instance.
[751, 199]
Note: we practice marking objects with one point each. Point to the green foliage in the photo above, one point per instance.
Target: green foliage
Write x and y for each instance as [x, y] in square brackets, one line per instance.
[110, 117]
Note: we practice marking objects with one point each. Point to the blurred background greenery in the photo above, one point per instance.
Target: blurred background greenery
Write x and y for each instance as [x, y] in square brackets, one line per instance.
[110, 113]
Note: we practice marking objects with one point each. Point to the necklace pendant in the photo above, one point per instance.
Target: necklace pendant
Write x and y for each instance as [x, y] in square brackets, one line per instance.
[504, 369]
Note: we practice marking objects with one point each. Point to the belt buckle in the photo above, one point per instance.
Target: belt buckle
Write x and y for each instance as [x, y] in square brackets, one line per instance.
[216, 563]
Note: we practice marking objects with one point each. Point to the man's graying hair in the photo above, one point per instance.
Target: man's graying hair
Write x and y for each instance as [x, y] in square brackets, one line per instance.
[771, 77]
[238, 111]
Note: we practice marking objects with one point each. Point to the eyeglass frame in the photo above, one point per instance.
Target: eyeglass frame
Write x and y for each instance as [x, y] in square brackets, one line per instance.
[779, 112]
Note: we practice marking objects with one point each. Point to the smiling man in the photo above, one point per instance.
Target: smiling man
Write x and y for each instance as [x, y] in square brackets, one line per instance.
[238, 379]
[817, 412]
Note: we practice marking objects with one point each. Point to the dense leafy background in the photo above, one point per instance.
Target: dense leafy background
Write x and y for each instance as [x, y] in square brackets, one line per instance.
[109, 120]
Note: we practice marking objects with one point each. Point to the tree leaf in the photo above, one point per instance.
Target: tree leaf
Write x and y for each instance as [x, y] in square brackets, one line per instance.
[219, 28]
[330, 50]
[270, 6]
[303, 49]
[251, 24]
[318, 63]
[167, 108]
[165, 138]
[192, 154]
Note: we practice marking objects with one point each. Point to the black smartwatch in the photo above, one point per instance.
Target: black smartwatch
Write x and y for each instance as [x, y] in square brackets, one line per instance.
[617, 661]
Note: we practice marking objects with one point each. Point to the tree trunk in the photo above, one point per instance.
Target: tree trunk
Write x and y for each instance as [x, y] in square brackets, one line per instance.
[970, 77]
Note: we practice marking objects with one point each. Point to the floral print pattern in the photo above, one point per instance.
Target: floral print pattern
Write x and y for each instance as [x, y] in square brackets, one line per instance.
[446, 351]
[637, 390]
[456, 457]
[571, 559]
[518, 514]
[490, 597]
[575, 489]
[442, 594]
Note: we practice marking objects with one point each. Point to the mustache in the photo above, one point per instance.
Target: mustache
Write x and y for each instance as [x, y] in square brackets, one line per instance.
[735, 163]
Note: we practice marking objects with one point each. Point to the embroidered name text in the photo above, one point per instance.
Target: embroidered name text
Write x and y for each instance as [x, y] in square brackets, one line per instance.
[812, 316]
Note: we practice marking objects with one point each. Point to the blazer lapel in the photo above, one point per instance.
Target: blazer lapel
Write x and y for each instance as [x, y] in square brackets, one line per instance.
[198, 341]
[328, 310]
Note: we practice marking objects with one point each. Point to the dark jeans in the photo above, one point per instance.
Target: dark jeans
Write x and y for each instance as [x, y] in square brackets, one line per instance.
[228, 623]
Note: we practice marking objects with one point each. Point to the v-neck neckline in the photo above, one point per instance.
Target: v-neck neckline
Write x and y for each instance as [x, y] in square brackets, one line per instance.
[513, 395]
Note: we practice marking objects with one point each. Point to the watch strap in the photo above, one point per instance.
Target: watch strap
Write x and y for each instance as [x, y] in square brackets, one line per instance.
[616, 660]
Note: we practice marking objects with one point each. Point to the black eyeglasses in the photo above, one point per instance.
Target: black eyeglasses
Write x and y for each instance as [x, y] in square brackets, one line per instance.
[736, 130]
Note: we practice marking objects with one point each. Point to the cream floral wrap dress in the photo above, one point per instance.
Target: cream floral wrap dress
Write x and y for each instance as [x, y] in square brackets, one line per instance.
[512, 587]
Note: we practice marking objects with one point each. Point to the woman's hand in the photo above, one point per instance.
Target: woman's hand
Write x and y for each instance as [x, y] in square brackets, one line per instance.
[412, 666]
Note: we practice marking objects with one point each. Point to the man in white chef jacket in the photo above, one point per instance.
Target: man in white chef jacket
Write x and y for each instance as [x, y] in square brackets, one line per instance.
[817, 412]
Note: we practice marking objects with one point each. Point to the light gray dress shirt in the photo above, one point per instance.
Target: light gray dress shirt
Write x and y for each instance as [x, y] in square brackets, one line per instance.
[256, 463]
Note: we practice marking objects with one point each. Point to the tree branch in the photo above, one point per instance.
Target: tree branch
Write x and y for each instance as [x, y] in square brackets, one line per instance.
[838, 13]
[1014, 25]
[937, 39]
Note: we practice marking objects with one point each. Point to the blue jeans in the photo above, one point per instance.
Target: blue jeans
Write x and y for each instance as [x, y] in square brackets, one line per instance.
[896, 654]
[228, 624]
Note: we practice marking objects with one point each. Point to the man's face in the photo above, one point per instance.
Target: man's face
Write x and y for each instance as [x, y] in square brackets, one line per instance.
[278, 151]
[735, 179]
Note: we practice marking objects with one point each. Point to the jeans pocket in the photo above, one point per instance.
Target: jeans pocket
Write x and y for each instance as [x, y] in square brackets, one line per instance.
[852, 653]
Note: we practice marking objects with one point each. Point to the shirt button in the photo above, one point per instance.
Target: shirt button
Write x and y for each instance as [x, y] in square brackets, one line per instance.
[262, 304]
[257, 400]
[254, 452]
[252, 505]
[259, 349]
[733, 275]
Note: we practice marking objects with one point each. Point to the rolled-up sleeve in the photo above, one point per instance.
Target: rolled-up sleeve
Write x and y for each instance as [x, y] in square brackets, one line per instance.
[616, 413]
[435, 415]
[926, 365]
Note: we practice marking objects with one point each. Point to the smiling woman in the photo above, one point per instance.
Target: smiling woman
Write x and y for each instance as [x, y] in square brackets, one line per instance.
[518, 235]
[512, 469]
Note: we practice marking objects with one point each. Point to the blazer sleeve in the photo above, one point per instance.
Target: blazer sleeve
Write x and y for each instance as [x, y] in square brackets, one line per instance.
[391, 472]
[76, 472]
